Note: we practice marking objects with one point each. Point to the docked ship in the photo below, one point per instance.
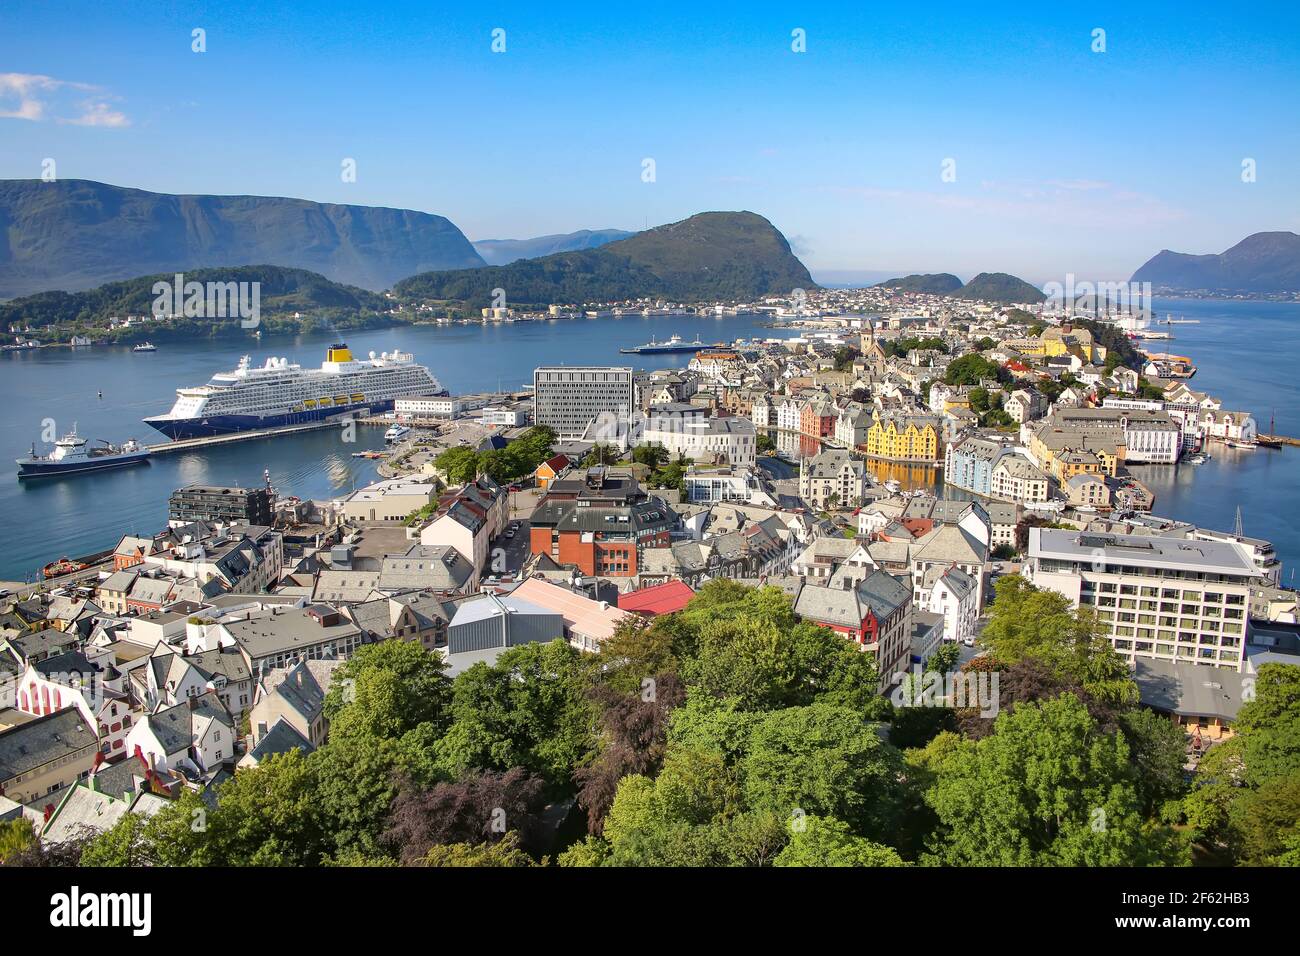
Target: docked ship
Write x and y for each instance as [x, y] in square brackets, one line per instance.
[73, 455]
[145, 347]
[674, 344]
[279, 393]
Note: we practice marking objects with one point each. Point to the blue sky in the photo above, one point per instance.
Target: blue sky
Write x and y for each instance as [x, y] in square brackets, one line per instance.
[1065, 159]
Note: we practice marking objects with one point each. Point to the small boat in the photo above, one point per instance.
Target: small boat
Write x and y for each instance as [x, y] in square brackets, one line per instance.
[1199, 459]
[1239, 443]
[145, 347]
[396, 433]
[72, 456]
[61, 567]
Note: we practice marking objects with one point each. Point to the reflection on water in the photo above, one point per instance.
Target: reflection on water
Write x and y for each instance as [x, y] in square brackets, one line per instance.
[910, 475]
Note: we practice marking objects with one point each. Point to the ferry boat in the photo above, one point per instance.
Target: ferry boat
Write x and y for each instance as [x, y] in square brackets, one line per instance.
[674, 344]
[396, 433]
[72, 456]
[145, 347]
[280, 393]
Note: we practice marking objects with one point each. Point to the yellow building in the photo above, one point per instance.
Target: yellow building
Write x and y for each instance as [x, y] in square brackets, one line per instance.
[903, 438]
[1060, 339]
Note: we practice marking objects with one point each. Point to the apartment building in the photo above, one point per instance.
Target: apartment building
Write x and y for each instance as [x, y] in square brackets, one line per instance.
[904, 437]
[833, 473]
[1156, 596]
[214, 503]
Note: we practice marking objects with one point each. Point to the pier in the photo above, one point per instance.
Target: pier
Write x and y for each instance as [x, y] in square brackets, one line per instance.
[189, 444]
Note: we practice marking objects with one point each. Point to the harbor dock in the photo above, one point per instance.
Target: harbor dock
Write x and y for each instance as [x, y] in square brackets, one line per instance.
[189, 444]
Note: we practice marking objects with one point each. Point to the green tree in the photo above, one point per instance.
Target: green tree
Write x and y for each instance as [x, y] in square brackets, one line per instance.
[269, 815]
[825, 841]
[650, 455]
[1269, 723]
[1268, 820]
[459, 464]
[824, 760]
[971, 369]
[1158, 751]
[1046, 788]
[528, 710]
[503, 852]
[1026, 621]
[16, 836]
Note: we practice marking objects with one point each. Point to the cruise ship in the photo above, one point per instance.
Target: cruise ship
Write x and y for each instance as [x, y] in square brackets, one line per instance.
[279, 393]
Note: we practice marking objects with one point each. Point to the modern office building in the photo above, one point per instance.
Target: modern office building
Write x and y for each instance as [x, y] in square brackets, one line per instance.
[1161, 597]
[220, 503]
[568, 398]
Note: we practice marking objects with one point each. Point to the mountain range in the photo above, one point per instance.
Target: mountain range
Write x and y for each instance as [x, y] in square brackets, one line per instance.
[1265, 262]
[501, 252]
[282, 292]
[76, 234]
[712, 255]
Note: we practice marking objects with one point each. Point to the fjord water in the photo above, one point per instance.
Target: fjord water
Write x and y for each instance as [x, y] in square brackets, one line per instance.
[1246, 352]
[79, 515]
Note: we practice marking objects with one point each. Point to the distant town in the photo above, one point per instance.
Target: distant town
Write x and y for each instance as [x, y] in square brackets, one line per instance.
[605, 518]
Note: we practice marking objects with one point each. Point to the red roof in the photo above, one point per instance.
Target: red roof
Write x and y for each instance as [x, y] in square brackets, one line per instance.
[658, 599]
[558, 463]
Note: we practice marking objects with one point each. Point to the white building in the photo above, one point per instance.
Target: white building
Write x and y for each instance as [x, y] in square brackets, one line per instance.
[689, 430]
[503, 417]
[727, 484]
[1156, 596]
[431, 406]
[1016, 478]
[952, 593]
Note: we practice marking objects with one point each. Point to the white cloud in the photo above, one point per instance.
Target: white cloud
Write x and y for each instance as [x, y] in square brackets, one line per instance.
[33, 97]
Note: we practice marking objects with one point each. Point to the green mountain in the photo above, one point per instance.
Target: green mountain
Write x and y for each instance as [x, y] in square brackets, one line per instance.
[76, 234]
[1266, 262]
[710, 256]
[282, 292]
[1000, 288]
[500, 252]
[935, 283]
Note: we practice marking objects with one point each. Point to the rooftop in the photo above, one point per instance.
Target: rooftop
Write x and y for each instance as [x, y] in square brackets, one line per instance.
[1141, 551]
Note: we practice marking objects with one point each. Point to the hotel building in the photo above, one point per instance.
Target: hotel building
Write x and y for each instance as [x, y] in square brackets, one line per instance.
[1160, 597]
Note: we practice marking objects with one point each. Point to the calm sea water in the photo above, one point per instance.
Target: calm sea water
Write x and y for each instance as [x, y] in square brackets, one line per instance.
[1245, 352]
[47, 518]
